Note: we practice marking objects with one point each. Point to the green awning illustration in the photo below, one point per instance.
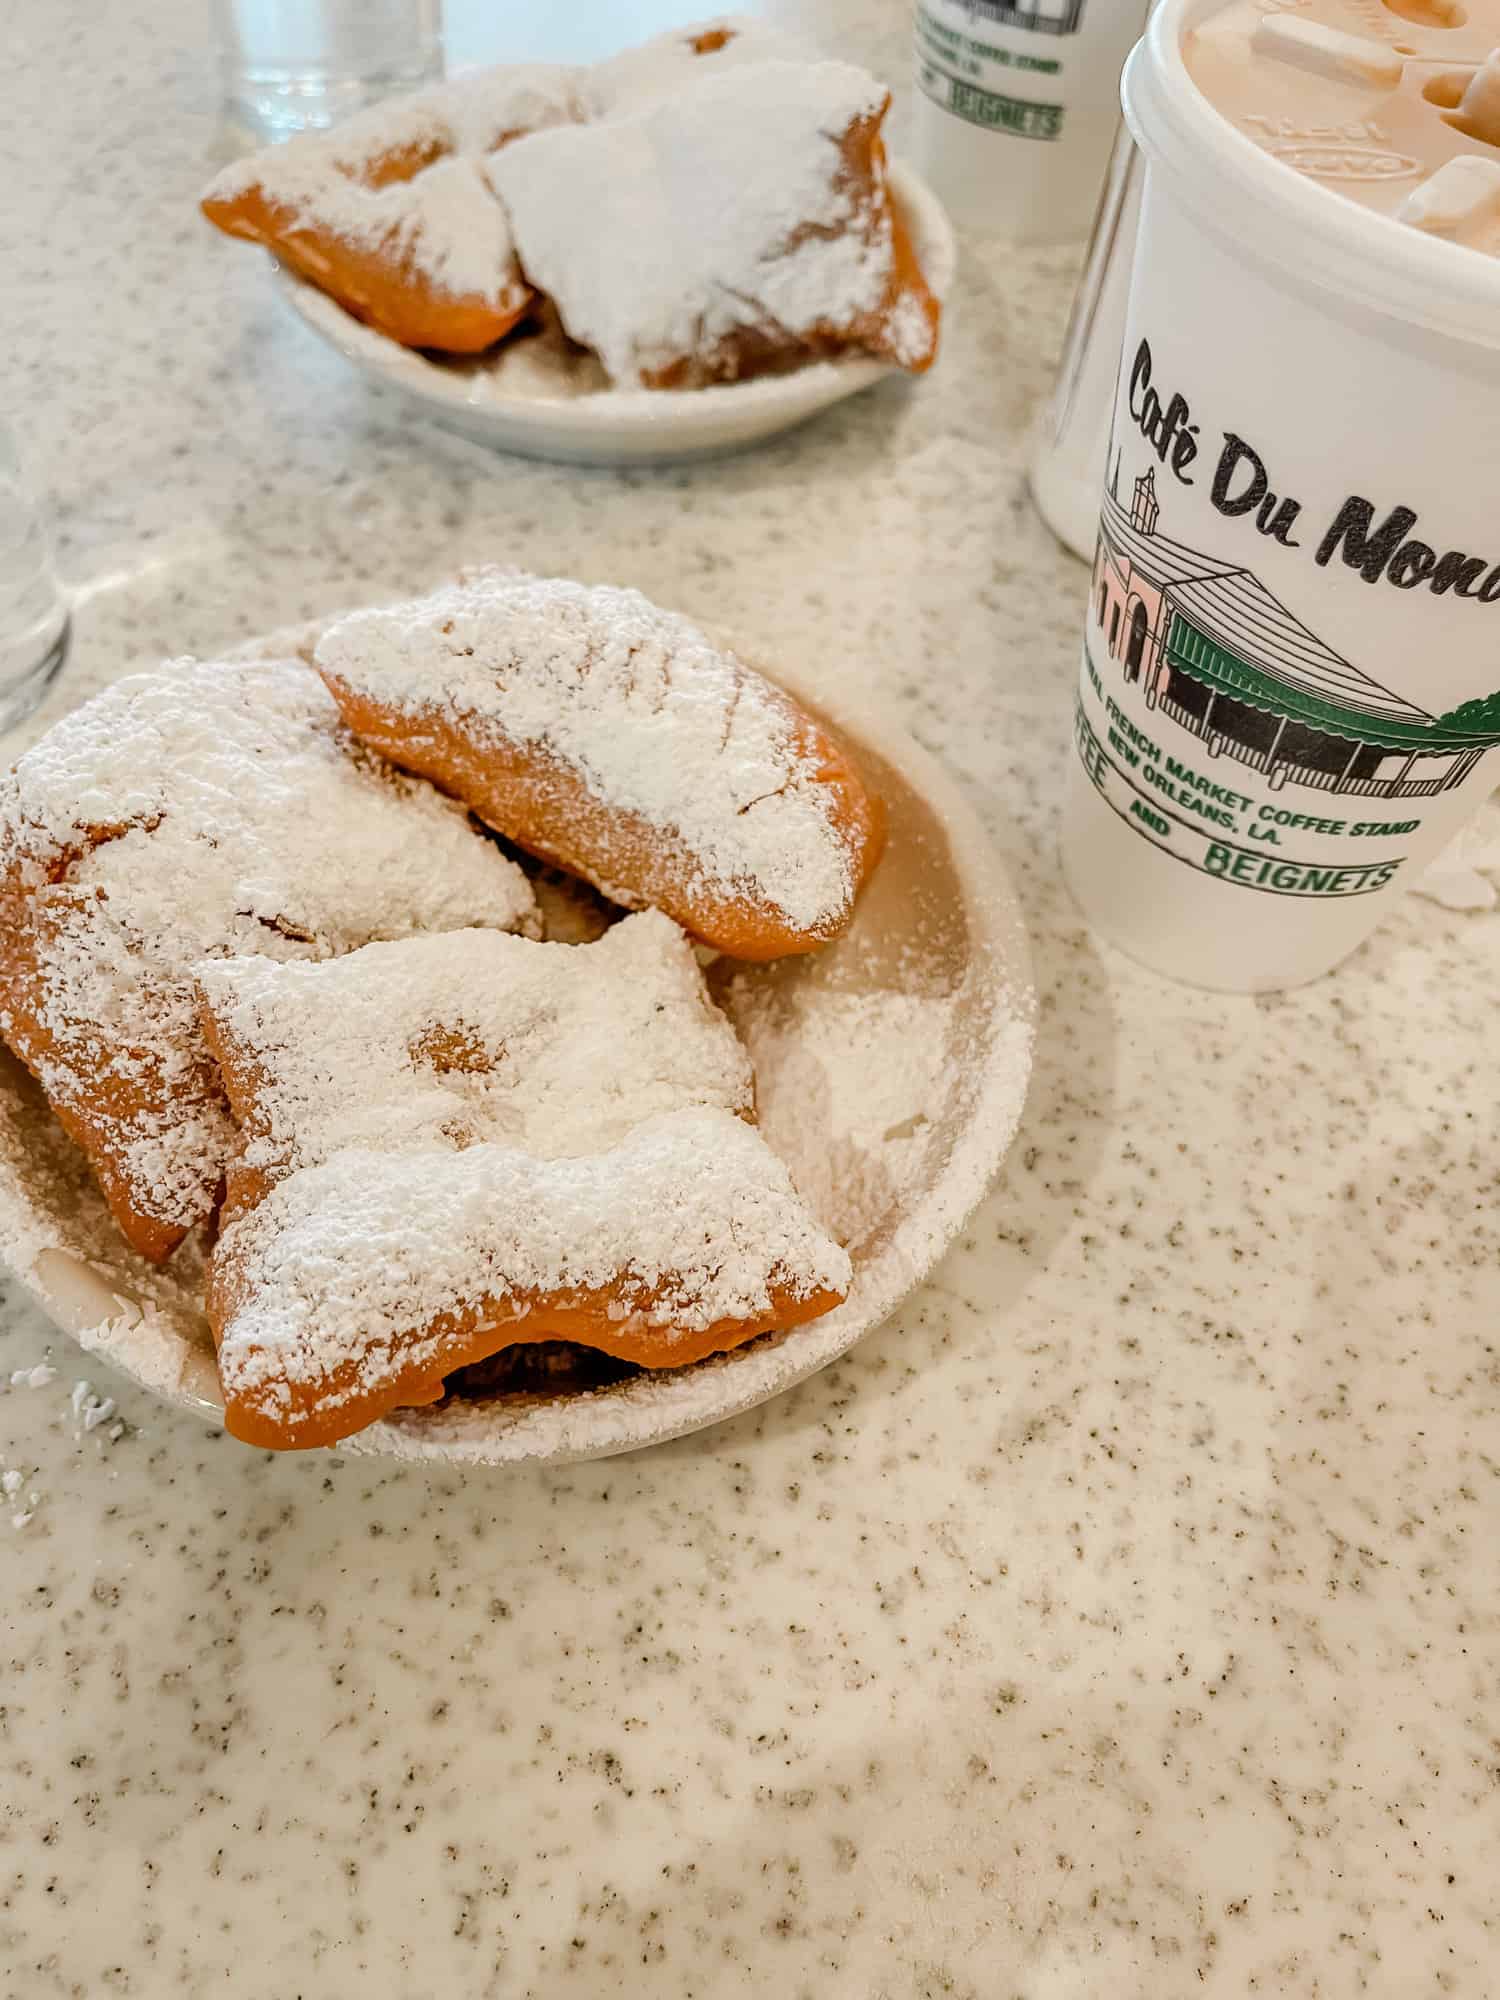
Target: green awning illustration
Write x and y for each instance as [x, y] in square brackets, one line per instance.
[1225, 631]
[1229, 633]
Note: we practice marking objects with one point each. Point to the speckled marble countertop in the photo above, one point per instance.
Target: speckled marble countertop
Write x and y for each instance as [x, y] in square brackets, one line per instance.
[1119, 1620]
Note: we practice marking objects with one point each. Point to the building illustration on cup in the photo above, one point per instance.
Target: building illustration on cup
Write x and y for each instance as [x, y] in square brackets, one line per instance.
[1212, 649]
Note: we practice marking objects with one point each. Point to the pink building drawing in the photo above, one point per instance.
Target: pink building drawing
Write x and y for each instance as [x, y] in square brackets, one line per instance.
[1128, 599]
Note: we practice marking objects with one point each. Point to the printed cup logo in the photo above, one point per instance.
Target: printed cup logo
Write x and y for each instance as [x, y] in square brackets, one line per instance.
[972, 71]
[1218, 723]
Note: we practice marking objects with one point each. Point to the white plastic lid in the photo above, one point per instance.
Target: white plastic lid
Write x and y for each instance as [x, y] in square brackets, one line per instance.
[1265, 208]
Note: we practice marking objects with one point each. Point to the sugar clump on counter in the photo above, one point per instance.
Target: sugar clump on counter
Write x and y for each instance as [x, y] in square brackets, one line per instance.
[33, 1378]
[88, 1408]
[11, 1482]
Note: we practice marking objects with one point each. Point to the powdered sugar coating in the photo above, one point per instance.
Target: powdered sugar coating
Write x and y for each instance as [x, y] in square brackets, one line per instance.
[657, 720]
[443, 223]
[475, 1037]
[442, 220]
[906, 326]
[690, 1215]
[244, 820]
[673, 61]
[627, 226]
[482, 111]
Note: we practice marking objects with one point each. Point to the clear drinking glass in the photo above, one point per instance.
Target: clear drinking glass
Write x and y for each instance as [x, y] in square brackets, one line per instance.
[1067, 466]
[293, 65]
[33, 611]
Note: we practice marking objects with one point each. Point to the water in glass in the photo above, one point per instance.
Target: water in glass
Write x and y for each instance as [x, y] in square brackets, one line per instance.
[295, 65]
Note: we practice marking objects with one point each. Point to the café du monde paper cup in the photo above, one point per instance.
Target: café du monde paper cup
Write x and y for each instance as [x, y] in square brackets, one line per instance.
[1290, 686]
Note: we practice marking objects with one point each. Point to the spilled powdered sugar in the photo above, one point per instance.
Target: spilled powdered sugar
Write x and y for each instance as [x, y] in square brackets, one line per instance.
[89, 1408]
[691, 1215]
[472, 1038]
[243, 820]
[20, 1495]
[848, 1088]
[661, 233]
[656, 718]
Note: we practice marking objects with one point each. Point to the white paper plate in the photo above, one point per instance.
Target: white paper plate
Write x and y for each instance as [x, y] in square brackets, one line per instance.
[509, 401]
[922, 1015]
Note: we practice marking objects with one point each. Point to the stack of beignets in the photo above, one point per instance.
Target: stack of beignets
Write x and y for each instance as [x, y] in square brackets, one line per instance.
[254, 963]
[709, 206]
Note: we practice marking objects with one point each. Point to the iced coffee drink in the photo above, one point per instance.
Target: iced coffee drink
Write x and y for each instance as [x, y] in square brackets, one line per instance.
[1394, 104]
